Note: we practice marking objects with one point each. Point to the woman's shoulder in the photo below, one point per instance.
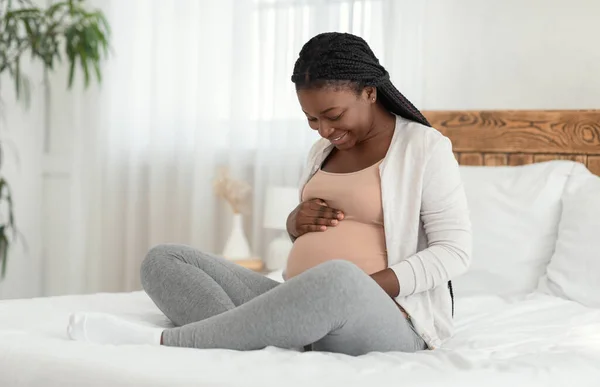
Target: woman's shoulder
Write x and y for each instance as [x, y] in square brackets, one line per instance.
[411, 134]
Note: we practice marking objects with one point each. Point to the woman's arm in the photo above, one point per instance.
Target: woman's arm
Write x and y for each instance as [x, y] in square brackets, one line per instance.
[445, 217]
[388, 281]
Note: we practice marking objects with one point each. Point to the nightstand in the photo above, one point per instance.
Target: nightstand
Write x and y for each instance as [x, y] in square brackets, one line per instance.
[254, 264]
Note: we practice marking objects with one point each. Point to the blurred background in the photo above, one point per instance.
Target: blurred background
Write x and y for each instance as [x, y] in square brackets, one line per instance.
[194, 87]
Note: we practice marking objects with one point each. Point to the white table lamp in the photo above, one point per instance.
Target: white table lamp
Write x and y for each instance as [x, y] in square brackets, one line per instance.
[279, 203]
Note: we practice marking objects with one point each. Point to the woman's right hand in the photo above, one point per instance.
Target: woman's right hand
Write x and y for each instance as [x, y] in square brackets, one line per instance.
[312, 216]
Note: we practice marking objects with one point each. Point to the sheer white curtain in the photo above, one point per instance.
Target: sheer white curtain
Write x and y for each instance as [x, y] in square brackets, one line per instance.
[191, 86]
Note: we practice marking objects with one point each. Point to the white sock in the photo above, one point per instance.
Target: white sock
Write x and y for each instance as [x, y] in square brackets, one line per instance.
[104, 328]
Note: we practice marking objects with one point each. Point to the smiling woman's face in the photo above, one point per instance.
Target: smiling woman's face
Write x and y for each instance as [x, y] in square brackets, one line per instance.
[339, 114]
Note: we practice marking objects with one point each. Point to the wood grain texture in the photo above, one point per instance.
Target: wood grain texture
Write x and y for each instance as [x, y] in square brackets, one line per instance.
[520, 131]
[470, 159]
[541, 158]
[578, 158]
[593, 164]
[495, 159]
[520, 159]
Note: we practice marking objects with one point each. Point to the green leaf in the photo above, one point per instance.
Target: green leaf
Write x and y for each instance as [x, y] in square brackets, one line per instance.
[84, 64]
[55, 8]
[58, 56]
[71, 71]
[98, 72]
[70, 42]
[23, 12]
[18, 77]
[103, 22]
[3, 250]
[26, 87]
[28, 28]
[3, 185]
[9, 202]
[104, 43]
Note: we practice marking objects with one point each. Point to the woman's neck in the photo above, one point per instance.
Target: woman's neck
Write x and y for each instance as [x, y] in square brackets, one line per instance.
[383, 124]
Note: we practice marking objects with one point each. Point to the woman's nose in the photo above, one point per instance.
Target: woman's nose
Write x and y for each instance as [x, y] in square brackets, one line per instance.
[325, 130]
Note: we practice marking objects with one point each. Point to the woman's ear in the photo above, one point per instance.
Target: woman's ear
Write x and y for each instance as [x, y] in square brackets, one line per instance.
[370, 93]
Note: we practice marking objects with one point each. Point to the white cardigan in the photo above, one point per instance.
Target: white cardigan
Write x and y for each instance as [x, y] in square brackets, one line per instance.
[426, 221]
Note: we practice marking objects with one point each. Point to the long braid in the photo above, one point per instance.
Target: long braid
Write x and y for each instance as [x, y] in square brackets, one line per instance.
[334, 58]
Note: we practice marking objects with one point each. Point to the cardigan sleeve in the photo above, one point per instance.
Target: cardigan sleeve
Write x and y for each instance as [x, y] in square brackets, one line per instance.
[445, 216]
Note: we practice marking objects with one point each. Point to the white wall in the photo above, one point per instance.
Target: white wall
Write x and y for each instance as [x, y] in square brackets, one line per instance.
[21, 132]
[511, 54]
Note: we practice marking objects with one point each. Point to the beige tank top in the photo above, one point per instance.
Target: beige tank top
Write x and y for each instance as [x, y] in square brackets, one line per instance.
[359, 237]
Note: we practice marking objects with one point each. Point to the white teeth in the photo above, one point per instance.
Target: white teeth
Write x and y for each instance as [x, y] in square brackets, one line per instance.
[339, 138]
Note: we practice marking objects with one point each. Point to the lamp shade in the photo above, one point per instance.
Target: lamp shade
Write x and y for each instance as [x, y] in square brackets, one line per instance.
[279, 202]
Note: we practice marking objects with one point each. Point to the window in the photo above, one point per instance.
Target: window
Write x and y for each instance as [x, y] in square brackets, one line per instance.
[281, 27]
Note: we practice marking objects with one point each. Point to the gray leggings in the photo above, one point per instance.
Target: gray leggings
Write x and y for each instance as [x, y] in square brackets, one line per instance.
[214, 303]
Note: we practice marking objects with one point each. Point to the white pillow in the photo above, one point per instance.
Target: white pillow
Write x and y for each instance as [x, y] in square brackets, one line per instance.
[574, 270]
[515, 213]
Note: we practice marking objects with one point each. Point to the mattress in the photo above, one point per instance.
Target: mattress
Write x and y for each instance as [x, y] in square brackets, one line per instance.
[535, 340]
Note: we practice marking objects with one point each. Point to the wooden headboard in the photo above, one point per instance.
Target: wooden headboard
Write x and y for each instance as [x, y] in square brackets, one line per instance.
[516, 137]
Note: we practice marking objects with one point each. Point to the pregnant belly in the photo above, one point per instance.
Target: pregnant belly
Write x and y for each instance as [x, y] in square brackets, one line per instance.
[362, 244]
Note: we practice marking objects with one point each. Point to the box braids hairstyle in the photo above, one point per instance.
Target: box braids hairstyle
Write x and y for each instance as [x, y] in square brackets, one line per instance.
[338, 59]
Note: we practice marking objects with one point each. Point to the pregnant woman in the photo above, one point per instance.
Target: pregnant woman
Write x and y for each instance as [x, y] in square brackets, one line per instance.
[382, 228]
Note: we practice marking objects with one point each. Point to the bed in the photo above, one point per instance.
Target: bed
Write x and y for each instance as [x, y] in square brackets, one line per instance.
[527, 338]
[532, 340]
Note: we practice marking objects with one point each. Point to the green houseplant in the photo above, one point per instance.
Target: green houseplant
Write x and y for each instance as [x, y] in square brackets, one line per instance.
[65, 31]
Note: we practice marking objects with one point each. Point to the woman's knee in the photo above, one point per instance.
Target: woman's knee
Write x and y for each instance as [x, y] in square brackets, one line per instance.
[340, 285]
[163, 256]
[341, 268]
[339, 274]
[152, 264]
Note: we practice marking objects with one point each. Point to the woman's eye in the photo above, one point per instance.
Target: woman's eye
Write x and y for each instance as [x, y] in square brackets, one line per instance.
[311, 119]
[334, 118]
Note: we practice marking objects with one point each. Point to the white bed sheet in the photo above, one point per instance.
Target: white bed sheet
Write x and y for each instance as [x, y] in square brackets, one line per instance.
[537, 340]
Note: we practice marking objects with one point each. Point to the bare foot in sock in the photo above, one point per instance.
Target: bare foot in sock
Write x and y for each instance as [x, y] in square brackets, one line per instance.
[104, 328]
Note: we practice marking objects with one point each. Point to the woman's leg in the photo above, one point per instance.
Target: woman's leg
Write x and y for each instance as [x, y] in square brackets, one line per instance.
[335, 305]
[189, 286]
[186, 284]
